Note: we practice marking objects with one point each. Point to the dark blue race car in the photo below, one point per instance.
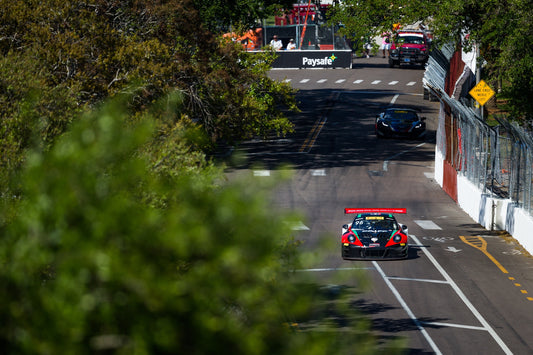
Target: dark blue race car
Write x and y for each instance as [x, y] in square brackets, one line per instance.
[400, 122]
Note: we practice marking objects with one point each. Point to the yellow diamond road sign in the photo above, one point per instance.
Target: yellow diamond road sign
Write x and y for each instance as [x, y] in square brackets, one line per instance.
[482, 92]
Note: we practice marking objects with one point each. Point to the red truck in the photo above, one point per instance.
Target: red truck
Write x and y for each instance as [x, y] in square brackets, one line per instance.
[409, 47]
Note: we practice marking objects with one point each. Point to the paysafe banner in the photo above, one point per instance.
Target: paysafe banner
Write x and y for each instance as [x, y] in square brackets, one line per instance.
[313, 59]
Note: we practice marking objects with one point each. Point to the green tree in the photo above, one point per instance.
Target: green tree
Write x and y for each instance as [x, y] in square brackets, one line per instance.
[499, 28]
[104, 252]
[68, 56]
[222, 16]
[362, 18]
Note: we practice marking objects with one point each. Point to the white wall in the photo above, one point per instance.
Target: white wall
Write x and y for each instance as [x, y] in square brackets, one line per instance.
[490, 211]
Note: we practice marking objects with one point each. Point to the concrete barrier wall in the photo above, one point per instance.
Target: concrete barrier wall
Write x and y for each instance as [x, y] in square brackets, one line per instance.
[490, 211]
[439, 170]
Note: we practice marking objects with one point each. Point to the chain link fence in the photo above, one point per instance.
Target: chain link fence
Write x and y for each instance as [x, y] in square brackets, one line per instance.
[498, 159]
[307, 37]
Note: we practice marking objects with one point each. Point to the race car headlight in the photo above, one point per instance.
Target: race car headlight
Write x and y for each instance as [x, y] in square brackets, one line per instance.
[351, 238]
[419, 125]
[397, 238]
[383, 123]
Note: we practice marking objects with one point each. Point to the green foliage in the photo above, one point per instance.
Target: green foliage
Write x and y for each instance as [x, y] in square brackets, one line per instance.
[223, 16]
[32, 113]
[60, 58]
[246, 102]
[500, 28]
[106, 252]
[363, 18]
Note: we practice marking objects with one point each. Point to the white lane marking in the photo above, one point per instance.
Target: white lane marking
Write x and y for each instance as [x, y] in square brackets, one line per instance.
[407, 309]
[440, 324]
[358, 81]
[394, 82]
[261, 141]
[303, 81]
[261, 172]
[411, 83]
[394, 98]
[426, 224]
[430, 175]
[461, 295]
[512, 252]
[300, 227]
[386, 162]
[340, 81]
[318, 172]
[287, 80]
[335, 269]
[453, 249]
[322, 81]
[418, 280]
[439, 239]
[375, 82]
[376, 93]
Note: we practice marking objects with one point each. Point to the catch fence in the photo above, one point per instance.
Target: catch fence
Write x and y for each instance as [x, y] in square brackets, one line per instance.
[497, 158]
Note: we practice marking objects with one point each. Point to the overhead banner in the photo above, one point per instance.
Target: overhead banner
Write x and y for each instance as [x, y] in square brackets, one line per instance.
[313, 59]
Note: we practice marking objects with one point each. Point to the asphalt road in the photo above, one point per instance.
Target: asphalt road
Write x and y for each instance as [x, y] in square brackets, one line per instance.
[463, 289]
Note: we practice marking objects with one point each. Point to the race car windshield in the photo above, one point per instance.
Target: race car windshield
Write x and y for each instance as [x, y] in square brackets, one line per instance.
[374, 223]
[401, 115]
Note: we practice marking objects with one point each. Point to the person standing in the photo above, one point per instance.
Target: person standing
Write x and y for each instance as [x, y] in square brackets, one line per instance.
[291, 45]
[385, 43]
[276, 43]
[367, 46]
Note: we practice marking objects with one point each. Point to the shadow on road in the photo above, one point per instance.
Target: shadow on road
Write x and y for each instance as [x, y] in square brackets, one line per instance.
[333, 129]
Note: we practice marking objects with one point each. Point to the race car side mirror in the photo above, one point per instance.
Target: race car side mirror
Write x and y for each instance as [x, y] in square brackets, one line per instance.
[422, 118]
[345, 226]
[404, 227]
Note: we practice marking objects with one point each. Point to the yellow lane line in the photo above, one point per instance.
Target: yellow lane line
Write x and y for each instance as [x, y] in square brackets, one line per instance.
[311, 138]
[317, 127]
[481, 244]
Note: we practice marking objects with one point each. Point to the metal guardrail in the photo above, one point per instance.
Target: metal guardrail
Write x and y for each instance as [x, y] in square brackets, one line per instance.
[497, 159]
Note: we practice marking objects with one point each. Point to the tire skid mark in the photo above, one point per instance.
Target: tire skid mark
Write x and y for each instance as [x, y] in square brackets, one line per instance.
[319, 124]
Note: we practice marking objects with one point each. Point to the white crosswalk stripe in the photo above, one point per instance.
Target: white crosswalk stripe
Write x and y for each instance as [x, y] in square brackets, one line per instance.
[358, 81]
[261, 172]
[426, 224]
[318, 172]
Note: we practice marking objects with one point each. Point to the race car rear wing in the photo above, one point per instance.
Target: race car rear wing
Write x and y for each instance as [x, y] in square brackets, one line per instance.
[375, 210]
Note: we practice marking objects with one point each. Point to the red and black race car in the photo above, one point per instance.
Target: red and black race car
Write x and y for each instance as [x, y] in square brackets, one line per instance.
[374, 234]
